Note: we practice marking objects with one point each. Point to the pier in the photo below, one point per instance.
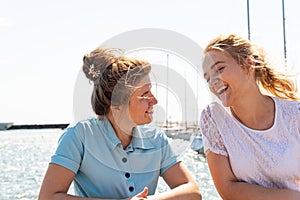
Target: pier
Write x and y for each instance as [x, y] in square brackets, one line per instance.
[34, 126]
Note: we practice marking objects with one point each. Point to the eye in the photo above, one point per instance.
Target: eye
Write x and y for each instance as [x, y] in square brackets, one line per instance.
[220, 69]
[206, 77]
[146, 96]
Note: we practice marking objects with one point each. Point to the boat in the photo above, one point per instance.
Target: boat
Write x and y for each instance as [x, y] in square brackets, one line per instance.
[197, 144]
[5, 126]
[179, 134]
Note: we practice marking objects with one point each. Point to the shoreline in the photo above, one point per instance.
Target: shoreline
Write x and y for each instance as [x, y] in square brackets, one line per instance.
[38, 126]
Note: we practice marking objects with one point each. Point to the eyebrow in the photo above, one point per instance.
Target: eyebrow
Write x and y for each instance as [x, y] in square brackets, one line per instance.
[147, 91]
[212, 66]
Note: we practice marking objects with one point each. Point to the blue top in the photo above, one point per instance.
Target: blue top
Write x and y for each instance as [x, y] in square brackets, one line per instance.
[103, 168]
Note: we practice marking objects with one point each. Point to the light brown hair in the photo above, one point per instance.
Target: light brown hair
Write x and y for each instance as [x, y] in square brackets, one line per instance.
[114, 77]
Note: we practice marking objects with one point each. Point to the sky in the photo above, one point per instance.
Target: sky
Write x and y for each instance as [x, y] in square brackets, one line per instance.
[42, 43]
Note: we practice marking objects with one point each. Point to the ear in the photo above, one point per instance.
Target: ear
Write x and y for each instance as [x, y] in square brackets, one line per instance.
[120, 109]
[115, 112]
[251, 65]
[114, 108]
[250, 62]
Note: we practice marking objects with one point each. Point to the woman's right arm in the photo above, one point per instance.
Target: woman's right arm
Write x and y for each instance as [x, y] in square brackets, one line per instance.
[57, 182]
[230, 188]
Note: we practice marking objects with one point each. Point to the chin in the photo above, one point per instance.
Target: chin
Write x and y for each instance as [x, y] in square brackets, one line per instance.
[142, 122]
[226, 103]
[148, 121]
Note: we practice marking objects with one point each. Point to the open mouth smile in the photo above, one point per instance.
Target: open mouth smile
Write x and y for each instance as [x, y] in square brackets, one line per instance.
[222, 90]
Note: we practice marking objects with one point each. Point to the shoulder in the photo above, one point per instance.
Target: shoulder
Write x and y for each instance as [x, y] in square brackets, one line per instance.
[207, 111]
[82, 127]
[211, 127]
[150, 131]
[151, 136]
[214, 112]
[287, 106]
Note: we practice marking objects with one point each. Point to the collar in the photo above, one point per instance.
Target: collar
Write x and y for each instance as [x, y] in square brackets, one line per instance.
[141, 136]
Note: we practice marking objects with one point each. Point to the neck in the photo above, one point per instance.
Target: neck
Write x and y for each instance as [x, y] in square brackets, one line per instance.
[258, 113]
[124, 134]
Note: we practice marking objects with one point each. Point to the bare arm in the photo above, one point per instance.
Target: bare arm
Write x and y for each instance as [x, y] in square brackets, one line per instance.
[57, 181]
[56, 184]
[182, 185]
[229, 187]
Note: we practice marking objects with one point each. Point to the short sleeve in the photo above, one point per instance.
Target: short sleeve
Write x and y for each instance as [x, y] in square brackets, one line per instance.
[212, 139]
[298, 109]
[69, 151]
[169, 158]
[298, 116]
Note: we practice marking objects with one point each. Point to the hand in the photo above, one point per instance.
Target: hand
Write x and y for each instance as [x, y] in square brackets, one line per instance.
[140, 196]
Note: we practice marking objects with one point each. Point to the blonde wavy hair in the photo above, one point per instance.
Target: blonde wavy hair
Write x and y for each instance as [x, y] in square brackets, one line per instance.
[241, 50]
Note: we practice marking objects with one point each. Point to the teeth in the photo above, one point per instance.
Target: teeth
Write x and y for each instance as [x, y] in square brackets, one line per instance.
[221, 90]
[150, 111]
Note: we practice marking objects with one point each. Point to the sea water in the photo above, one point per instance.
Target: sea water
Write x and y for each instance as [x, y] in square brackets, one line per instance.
[25, 154]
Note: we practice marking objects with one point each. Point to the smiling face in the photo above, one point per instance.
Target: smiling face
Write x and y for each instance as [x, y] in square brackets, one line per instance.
[225, 77]
[141, 103]
[139, 109]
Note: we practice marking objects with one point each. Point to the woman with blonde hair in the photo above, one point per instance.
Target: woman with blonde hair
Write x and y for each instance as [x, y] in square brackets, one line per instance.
[117, 154]
[252, 140]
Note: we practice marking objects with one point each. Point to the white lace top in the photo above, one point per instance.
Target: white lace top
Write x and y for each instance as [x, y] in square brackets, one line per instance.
[270, 158]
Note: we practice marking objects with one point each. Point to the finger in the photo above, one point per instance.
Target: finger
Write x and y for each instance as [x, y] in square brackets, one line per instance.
[144, 193]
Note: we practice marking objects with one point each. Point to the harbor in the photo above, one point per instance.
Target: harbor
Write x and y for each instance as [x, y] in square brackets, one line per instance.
[26, 154]
[190, 134]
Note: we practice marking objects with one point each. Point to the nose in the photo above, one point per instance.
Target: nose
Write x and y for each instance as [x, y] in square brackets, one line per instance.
[153, 100]
[213, 81]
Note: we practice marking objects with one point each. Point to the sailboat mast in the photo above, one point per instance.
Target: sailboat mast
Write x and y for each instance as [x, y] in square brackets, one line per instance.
[185, 105]
[284, 36]
[167, 92]
[248, 19]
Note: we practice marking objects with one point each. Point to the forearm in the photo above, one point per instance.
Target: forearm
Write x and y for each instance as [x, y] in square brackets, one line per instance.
[246, 191]
[185, 191]
[64, 196]
[230, 188]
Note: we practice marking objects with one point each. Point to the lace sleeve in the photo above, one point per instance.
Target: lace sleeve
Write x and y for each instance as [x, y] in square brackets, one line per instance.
[212, 139]
[298, 113]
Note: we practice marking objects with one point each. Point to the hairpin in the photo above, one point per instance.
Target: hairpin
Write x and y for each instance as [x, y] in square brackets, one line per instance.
[93, 72]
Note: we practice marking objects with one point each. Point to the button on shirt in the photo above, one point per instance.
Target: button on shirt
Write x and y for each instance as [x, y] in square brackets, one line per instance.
[103, 168]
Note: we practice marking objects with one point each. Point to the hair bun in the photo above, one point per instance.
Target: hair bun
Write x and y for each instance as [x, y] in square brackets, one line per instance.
[96, 62]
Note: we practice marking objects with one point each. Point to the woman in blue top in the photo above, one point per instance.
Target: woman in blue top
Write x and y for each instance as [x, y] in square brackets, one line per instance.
[116, 155]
